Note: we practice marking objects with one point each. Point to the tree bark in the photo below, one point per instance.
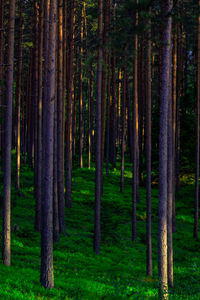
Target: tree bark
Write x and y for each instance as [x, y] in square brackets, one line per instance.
[148, 150]
[69, 108]
[47, 276]
[6, 252]
[163, 189]
[97, 227]
[135, 134]
[196, 205]
[18, 97]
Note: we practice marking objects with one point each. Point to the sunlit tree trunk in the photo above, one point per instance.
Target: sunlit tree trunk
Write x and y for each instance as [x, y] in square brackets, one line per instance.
[163, 153]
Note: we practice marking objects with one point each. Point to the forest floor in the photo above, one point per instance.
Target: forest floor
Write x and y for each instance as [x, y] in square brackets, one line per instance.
[119, 272]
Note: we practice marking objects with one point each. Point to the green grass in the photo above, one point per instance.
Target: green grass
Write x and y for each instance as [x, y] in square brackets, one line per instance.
[119, 271]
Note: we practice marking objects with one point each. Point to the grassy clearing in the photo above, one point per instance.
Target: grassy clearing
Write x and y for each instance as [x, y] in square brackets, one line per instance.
[119, 272]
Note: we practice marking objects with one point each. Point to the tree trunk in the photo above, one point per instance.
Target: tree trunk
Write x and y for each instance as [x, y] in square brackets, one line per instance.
[196, 211]
[2, 44]
[60, 125]
[6, 255]
[97, 230]
[47, 277]
[69, 108]
[18, 97]
[123, 132]
[81, 122]
[135, 134]
[148, 150]
[163, 195]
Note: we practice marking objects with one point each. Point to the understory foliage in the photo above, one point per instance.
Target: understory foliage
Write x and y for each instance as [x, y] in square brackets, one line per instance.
[119, 272]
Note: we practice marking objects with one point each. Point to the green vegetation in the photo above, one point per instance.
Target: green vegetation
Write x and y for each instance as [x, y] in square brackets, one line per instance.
[119, 272]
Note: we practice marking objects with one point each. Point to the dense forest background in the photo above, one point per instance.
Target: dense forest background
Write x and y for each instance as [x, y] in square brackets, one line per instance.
[99, 149]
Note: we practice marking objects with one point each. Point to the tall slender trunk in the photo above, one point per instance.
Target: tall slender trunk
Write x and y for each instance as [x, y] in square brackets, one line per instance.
[119, 107]
[97, 227]
[123, 132]
[170, 183]
[47, 276]
[135, 134]
[113, 113]
[35, 98]
[39, 113]
[163, 190]
[56, 227]
[81, 122]
[60, 125]
[90, 111]
[2, 43]
[108, 119]
[196, 211]
[174, 96]
[148, 150]
[6, 252]
[18, 97]
[69, 108]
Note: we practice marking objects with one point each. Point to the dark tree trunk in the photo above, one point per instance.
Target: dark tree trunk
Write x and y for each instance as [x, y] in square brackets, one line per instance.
[6, 252]
[104, 75]
[36, 105]
[135, 134]
[18, 97]
[170, 183]
[123, 132]
[69, 108]
[39, 113]
[90, 111]
[60, 125]
[97, 229]
[196, 211]
[56, 228]
[108, 120]
[148, 150]
[113, 114]
[81, 122]
[174, 95]
[47, 277]
[2, 43]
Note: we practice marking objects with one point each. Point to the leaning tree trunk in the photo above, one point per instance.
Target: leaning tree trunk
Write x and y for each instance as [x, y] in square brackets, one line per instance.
[47, 276]
[8, 138]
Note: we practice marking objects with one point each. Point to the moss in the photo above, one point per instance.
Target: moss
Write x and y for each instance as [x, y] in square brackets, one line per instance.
[119, 271]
